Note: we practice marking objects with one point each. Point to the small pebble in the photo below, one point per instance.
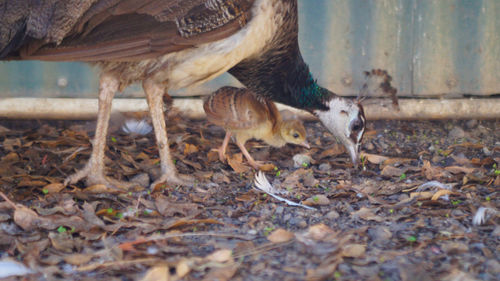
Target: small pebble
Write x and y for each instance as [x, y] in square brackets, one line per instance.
[252, 232]
[456, 133]
[279, 210]
[493, 266]
[369, 146]
[471, 124]
[332, 215]
[302, 224]
[301, 160]
[141, 179]
[487, 152]
[325, 167]
[152, 250]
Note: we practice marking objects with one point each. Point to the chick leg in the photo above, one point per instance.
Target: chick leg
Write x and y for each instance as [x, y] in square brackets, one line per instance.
[154, 96]
[255, 164]
[94, 169]
[223, 147]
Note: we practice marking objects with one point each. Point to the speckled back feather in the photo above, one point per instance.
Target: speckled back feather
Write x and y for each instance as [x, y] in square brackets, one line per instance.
[239, 109]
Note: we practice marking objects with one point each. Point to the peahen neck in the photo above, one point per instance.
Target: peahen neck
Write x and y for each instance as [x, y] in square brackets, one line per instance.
[285, 79]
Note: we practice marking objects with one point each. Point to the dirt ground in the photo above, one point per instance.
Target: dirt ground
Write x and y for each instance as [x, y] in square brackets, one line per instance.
[423, 205]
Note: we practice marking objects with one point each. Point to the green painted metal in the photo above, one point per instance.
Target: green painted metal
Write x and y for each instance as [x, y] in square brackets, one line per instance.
[430, 47]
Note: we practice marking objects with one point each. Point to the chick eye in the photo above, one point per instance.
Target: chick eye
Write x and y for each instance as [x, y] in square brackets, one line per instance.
[295, 135]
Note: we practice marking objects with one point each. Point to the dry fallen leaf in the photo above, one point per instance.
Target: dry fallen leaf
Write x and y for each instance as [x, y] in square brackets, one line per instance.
[267, 167]
[390, 171]
[157, 273]
[422, 195]
[223, 255]
[316, 200]
[458, 170]
[353, 250]
[53, 187]
[182, 268]
[367, 214]
[78, 259]
[236, 162]
[373, 158]
[440, 193]
[101, 188]
[319, 231]
[221, 274]
[190, 149]
[280, 235]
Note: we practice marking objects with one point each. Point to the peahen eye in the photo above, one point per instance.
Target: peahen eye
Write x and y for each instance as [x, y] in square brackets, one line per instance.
[296, 135]
[356, 126]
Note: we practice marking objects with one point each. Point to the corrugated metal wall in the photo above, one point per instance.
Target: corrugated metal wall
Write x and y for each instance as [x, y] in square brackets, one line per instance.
[430, 47]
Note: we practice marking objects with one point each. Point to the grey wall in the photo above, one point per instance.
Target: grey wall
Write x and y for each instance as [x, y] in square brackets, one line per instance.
[430, 47]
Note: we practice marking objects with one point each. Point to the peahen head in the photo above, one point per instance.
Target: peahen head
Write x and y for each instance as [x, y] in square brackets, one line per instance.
[344, 118]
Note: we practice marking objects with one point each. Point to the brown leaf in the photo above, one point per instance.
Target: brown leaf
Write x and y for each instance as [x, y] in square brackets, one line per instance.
[223, 255]
[62, 242]
[337, 149]
[249, 196]
[184, 222]
[190, 149]
[182, 268]
[440, 193]
[100, 188]
[430, 172]
[213, 156]
[54, 187]
[78, 259]
[374, 158]
[390, 171]
[267, 167]
[11, 157]
[367, 214]
[168, 208]
[319, 231]
[421, 195]
[26, 218]
[157, 273]
[280, 235]
[236, 162]
[222, 273]
[316, 200]
[458, 170]
[353, 250]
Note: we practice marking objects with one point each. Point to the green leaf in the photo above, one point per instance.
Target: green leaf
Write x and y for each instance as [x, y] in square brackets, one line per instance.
[45, 191]
[403, 176]
[113, 139]
[411, 239]
[61, 229]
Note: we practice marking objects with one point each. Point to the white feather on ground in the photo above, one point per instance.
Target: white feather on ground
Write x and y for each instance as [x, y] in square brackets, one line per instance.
[13, 268]
[436, 186]
[483, 214]
[263, 184]
[139, 127]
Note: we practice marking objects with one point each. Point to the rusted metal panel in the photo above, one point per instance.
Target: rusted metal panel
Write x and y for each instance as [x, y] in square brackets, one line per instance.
[430, 47]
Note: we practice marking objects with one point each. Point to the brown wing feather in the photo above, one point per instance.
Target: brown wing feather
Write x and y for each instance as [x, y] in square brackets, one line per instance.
[236, 109]
[114, 30]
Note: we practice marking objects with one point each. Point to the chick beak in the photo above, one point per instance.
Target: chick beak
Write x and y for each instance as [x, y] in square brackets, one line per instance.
[305, 144]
